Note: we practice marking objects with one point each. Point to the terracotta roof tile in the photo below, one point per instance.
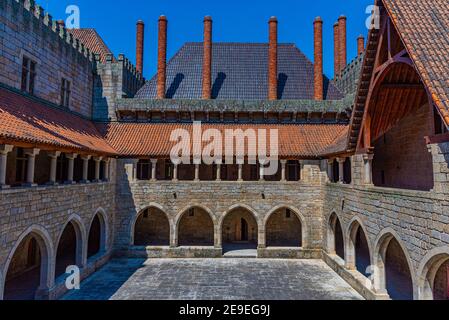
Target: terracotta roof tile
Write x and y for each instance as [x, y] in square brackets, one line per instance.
[152, 139]
[93, 41]
[424, 28]
[31, 121]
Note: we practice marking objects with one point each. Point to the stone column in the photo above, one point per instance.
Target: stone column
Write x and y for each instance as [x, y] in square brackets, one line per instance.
[368, 168]
[71, 161]
[53, 155]
[31, 161]
[175, 172]
[218, 164]
[153, 169]
[86, 159]
[197, 172]
[341, 170]
[4, 150]
[262, 171]
[262, 243]
[284, 170]
[330, 169]
[240, 175]
[106, 170]
[97, 168]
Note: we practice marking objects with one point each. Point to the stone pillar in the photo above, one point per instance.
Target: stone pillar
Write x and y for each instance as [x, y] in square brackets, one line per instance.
[175, 172]
[218, 164]
[283, 170]
[330, 169]
[86, 159]
[4, 150]
[53, 155]
[341, 170]
[31, 161]
[262, 243]
[262, 171]
[153, 169]
[240, 175]
[70, 166]
[97, 168]
[368, 168]
[106, 170]
[197, 172]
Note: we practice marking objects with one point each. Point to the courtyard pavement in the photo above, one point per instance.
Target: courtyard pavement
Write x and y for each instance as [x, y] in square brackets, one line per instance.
[218, 279]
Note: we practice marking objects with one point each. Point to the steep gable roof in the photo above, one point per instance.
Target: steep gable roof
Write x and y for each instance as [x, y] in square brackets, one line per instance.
[93, 41]
[423, 26]
[239, 71]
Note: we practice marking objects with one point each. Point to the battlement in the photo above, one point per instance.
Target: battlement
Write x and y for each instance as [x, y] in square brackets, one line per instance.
[42, 22]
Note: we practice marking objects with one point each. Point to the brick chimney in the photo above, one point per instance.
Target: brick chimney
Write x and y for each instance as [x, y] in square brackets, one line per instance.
[318, 58]
[207, 58]
[360, 45]
[336, 50]
[342, 38]
[139, 45]
[162, 57]
[273, 59]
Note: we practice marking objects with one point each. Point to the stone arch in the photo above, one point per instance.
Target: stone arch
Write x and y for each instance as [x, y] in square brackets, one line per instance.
[158, 226]
[98, 234]
[303, 236]
[335, 235]
[232, 217]
[45, 273]
[195, 227]
[358, 251]
[395, 277]
[80, 243]
[433, 266]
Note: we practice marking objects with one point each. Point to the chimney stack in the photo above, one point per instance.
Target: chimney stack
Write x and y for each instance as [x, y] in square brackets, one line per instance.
[273, 59]
[318, 58]
[139, 45]
[342, 38]
[162, 58]
[360, 45]
[207, 58]
[336, 50]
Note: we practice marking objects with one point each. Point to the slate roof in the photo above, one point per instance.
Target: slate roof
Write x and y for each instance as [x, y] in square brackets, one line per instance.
[153, 139]
[239, 71]
[28, 120]
[424, 29]
[93, 41]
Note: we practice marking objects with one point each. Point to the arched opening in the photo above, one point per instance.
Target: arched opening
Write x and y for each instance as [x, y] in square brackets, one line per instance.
[97, 236]
[152, 228]
[362, 255]
[398, 279]
[69, 250]
[283, 229]
[196, 228]
[27, 270]
[239, 230]
[435, 277]
[335, 237]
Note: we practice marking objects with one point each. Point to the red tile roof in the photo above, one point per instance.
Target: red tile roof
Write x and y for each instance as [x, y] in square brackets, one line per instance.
[28, 120]
[151, 139]
[424, 29]
[93, 41]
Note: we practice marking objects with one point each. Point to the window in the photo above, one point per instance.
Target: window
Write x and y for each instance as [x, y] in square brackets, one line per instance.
[191, 212]
[21, 161]
[288, 213]
[28, 75]
[65, 92]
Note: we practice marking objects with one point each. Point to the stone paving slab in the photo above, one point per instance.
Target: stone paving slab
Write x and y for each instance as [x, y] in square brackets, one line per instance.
[218, 279]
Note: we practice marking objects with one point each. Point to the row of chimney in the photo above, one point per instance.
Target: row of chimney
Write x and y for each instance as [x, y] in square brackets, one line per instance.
[340, 55]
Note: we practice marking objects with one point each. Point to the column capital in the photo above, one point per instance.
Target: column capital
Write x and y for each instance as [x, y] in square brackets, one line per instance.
[6, 148]
[153, 161]
[86, 157]
[330, 161]
[284, 162]
[341, 160]
[368, 156]
[54, 154]
[71, 156]
[32, 152]
[97, 159]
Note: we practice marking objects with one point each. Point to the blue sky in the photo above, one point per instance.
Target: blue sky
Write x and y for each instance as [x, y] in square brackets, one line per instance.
[234, 21]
